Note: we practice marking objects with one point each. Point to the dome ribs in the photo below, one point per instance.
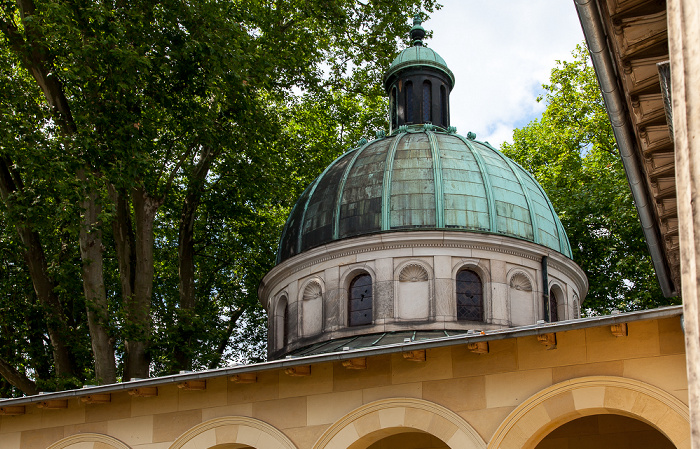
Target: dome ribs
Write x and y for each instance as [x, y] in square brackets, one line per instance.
[386, 183]
[422, 178]
[341, 190]
[437, 179]
[488, 189]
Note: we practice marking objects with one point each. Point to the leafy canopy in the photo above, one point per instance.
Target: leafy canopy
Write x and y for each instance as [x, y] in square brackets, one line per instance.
[572, 153]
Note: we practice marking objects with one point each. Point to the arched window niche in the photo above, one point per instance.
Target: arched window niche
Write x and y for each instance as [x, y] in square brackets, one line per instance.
[443, 106]
[312, 308]
[360, 300]
[393, 109]
[521, 299]
[413, 292]
[555, 308]
[281, 321]
[409, 103]
[427, 102]
[470, 296]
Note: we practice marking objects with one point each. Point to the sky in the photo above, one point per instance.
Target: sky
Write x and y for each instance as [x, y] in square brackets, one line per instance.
[501, 52]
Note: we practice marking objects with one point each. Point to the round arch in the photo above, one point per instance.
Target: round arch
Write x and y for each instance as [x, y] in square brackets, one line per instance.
[235, 430]
[386, 416]
[479, 267]
[87, 441]
[540, 414]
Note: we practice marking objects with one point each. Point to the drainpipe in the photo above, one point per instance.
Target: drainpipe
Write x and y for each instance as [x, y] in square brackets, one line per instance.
[614, 104]
[545, 290]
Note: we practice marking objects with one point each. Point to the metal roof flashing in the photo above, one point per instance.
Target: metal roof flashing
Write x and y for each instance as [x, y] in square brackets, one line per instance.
[502, 334]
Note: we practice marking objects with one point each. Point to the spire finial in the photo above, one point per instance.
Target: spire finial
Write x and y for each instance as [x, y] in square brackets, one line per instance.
[417, 32]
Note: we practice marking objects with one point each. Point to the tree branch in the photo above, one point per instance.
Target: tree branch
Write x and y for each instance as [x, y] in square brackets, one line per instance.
[17, 379]
[235, 316]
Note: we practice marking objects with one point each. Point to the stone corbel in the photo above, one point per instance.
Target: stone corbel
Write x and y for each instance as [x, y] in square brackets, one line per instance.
[12, 410]
[548, 340]
[619, 330]
[53, 404]
[479, 347]
[193, 385]
[100, 398]
[244, 378]
[415, 356]
[298, 371]
[358, 363]
[144, 392]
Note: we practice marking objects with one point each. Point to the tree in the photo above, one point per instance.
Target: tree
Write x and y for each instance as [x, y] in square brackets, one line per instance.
[572, 153]
[149, 156]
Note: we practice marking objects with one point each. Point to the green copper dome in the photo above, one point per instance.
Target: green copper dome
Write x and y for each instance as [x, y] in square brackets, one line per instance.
[418, 56]
[422, 177]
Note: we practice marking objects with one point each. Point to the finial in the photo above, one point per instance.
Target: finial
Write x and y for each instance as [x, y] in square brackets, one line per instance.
[417, 32]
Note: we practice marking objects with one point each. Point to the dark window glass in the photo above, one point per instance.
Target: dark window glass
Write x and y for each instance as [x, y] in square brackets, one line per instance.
[427, 102]
[360, 301]
[393, 108]
[443, 106]
[470, 297]
[409, 102]
[553, 312]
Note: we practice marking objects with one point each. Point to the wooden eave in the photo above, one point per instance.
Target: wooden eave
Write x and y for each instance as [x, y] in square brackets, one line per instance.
[637, 39]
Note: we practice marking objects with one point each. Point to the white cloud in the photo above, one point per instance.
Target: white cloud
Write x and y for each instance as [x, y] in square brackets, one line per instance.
[501, 52]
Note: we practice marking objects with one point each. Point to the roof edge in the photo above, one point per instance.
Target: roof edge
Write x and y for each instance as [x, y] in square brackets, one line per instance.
[501, 334]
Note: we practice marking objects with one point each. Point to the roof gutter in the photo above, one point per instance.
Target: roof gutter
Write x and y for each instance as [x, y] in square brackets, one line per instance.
[597, 42]
[500, 334]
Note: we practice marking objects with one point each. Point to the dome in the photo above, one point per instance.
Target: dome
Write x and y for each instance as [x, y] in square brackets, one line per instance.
[422, 177]
[418, 56]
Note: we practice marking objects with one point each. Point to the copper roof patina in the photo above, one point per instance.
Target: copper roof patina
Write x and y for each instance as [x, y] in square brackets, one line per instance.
[422, 177]
[418, 55]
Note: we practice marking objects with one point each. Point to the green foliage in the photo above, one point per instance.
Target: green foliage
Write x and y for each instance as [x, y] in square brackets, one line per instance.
[572, 152]
[267, 92]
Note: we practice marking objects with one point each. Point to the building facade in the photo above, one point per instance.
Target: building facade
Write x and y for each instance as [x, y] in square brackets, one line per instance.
[424, 298]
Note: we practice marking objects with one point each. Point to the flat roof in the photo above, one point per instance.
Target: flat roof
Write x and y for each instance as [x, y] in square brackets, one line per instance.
[491, 335]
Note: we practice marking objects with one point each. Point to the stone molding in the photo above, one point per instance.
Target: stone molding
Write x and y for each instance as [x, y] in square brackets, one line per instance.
[67, 442]
[421, 239]
[531, 421]
[397, 414]
[233, 430]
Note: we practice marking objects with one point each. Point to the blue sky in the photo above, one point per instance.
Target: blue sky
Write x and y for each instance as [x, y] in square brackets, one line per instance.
[501, 52]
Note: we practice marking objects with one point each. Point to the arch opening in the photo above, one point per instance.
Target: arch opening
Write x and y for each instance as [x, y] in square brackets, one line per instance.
[605, 430]
[399, 437]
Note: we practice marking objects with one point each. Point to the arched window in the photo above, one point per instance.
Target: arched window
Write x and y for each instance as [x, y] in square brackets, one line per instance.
[360, 300]
[427, 102]
[281, 323]
[443, 106]
[393, 109]
[470, 296]
[553, 306]
[409, 102]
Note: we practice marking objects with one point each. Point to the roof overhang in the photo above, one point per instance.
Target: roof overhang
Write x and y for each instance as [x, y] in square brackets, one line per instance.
[502, 334]
[627, 40]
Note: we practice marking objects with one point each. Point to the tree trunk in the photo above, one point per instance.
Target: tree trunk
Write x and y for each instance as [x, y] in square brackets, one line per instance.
[186, 270]
[43, 284]
[94, 286]
[138, 304]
